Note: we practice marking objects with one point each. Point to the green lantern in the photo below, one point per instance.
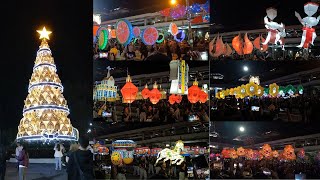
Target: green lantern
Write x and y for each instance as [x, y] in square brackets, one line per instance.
[300, 89]
[290, 90]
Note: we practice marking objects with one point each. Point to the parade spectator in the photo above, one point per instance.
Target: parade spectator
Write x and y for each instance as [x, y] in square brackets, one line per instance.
[23, 160]
[58, 154]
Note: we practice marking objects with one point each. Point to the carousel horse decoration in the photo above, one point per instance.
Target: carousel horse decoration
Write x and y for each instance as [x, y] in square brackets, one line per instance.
[276, 31]
[309, 33]
[172, 155]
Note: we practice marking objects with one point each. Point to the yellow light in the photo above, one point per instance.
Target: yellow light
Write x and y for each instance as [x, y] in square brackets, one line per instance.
[44, 34]
[173, 2]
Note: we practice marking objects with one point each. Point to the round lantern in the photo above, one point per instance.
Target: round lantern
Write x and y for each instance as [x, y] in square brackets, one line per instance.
[116, 158]
[251, 89]
[243, 92]
[233, 153]
[173, 28]
[225, 153]
[179, 99]
[288, 152]
[103, 38]
[129, 91]
[172, 99]
[266, 151]
[127, 157]
[136, 31]
[154, 94]
[145, 92]
[180, 36]
[249, 154]
[160, 38]
[194, 92]
[273, 90]
[203, 96]
[241, 151]
[124, 31]
[259, 91]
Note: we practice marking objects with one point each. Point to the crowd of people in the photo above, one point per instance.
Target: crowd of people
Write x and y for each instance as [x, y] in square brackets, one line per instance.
[163, 111]
[294, 109]
[264, 169]
[139, 51]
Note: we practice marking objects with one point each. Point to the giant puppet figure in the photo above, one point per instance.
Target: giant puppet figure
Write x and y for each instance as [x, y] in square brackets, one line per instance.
[276, 31]
[309, 33]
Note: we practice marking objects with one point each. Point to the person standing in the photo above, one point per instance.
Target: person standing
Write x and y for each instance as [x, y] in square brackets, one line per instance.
[183, 174]
[151, 167]
[80, 165]
[143, 167]
[18, 150]
[58, 155]
[23, 161]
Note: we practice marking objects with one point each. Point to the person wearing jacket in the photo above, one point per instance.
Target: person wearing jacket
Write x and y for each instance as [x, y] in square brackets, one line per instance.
[80, 164]
[23, 161]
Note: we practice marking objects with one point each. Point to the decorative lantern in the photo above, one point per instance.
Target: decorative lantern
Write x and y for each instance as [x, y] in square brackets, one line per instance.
[145, 92]
[288, 152]
[154, 94]
[233, 153]
[113, 34]
[116, 158]
[251, 89]
[267, 151]
[194, 92]
[243, 91]
[227, 92]
[231, 91]
[172, 99]
[300, 89]
[179, 99]
[225, 153]
[290, 90]
[203, 96]
[260, 91]
[241, 151]
[249, 154]
[127, 157]
[129, 91]
[273, 90]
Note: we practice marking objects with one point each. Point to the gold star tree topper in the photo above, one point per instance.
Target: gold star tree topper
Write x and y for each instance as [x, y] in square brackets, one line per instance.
[44, 34]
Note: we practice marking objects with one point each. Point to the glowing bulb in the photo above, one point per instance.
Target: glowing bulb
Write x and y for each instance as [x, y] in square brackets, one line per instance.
[241, 129]
[245, 68]
[173, 2]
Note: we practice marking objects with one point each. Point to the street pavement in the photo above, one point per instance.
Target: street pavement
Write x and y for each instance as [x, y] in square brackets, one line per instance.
[36, 172]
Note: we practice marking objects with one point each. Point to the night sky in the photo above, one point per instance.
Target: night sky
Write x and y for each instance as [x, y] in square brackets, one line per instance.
[71, 45]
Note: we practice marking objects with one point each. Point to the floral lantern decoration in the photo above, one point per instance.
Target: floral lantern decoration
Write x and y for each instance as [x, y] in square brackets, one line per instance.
[203, 96]
[273, 90]
[251, 89]
[172, 99]
[249, 154]
[145, 92]
[288, 153]
[225, 153]
[241, 151]
[260, 91]
[154, 94]
[231, 91]
[129, 91]
[275, 153]
[243, 91]
[301, 154]
[267, 151]
[194, 92]
[179, 99]
[260, 154]
[233, 153]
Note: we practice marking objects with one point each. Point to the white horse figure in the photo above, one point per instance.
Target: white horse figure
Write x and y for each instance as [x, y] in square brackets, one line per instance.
[173, 155]
[276, 31]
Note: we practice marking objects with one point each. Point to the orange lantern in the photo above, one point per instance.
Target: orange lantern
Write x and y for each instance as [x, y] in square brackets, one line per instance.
[241, 151]
[194, 92]
[233, 153]
[288, 152]
[95, 29]
[145, 92]
[154, 94]
[267, 151]
[129, 91]
[113, 34]
[178, 99]
[225, 153]
[172, 99]
[249, 154]
[203, 96]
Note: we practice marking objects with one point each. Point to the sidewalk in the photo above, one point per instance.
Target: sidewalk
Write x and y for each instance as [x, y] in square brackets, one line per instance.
[37, 172]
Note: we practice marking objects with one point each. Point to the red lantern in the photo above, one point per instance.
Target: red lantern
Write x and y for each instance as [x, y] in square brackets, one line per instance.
[179, 99]
[95, 30]
[288, 152]
[129, 91]
[172, 99]
[225, 153]
[267, 151]
[145, 92]
[194, 92]
[203, 97]
[154, 94]
[241, 151]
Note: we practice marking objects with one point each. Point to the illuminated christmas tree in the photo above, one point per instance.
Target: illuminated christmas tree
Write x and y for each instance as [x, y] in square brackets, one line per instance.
[45, 112]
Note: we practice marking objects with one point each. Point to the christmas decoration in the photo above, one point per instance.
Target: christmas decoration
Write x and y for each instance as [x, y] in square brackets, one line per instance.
[45, 113]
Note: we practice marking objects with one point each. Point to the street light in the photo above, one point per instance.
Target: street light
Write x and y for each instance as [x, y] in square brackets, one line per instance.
[241, 129]
[245, 68]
